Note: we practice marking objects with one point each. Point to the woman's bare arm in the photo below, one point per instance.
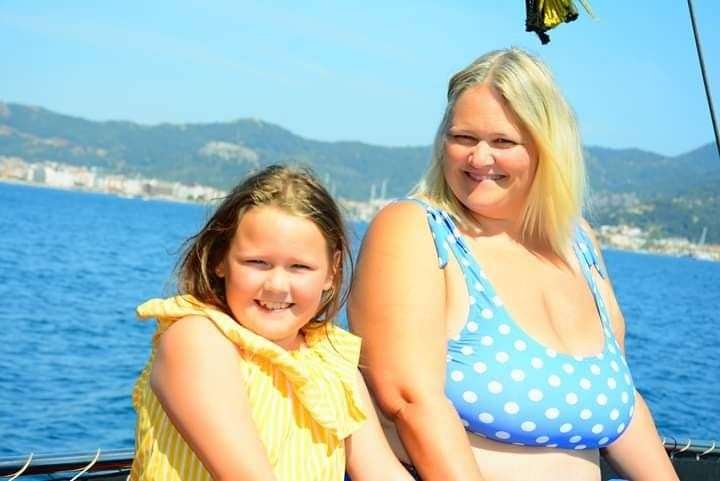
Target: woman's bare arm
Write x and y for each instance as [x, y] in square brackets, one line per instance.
[369, 457]
[197, 377]
[397, 306]
[638, 454]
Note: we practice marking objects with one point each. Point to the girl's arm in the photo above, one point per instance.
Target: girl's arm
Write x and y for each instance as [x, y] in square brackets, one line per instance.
[369, 457]
[639, 453]
[197, 376]
[397, 305]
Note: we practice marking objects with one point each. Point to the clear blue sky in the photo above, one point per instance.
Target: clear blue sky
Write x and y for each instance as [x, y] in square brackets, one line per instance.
[364, 71]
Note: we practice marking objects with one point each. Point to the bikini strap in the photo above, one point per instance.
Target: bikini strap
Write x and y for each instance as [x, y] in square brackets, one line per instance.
[587, 253]
[590, 259]
[443, 230]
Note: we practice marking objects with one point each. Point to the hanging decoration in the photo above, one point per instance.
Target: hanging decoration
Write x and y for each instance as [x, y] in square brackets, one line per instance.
[544, 15]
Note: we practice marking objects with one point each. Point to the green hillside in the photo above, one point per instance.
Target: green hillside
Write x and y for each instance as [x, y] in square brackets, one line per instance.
[670, 195]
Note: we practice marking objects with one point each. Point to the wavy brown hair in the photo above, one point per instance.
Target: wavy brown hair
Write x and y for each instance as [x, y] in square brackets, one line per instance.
[291, 189]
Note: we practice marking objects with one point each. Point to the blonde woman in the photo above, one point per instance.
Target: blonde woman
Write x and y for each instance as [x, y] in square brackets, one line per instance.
[492, 339]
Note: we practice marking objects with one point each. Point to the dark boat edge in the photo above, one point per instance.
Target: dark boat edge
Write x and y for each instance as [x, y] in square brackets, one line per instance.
[693, 459]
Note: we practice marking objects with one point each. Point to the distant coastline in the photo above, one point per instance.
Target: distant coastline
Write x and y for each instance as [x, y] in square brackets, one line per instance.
[84, 179]
[79, 178]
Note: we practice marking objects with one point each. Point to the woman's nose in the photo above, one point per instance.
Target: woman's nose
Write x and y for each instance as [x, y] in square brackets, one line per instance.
[481, 155]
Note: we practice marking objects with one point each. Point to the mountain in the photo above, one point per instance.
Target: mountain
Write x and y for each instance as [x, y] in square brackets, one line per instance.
[671, 195]
[216, 154]
[646, 173]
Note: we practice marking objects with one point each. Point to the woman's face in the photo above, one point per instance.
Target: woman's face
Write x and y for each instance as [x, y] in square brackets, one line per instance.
[490, 159]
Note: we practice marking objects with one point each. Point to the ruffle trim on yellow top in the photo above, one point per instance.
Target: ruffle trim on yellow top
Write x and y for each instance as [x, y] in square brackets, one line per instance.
[328, 348]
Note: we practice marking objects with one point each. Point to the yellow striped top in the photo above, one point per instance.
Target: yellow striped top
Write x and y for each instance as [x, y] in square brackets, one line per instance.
[304, 402]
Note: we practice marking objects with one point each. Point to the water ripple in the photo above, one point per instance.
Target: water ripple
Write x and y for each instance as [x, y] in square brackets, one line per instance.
[71, 347]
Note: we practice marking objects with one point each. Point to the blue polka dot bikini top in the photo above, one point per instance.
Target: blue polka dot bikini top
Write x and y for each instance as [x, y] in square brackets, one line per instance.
[508, 387]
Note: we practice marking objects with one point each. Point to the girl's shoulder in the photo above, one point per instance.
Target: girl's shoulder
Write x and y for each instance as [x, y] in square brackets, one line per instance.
[335, 345]
[331, 391]
[187, 314]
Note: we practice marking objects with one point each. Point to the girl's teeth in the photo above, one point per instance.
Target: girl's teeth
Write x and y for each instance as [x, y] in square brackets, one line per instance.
[274, 305]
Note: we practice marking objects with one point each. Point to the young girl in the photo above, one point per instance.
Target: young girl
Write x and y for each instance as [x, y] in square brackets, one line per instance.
[248, 378]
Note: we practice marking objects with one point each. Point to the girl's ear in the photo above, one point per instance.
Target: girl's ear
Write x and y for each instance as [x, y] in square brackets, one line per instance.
[220, 270]
[332, 272]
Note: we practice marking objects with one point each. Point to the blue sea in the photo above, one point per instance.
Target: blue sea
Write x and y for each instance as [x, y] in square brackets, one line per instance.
[73, 266]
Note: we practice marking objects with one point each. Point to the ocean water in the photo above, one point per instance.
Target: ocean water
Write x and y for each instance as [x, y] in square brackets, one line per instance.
[73, 266]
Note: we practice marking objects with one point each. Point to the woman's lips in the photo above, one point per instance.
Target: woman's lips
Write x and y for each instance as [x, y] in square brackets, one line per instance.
[480, 177]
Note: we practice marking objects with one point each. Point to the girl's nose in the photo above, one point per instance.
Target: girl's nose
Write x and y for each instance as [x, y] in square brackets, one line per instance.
[276, 280]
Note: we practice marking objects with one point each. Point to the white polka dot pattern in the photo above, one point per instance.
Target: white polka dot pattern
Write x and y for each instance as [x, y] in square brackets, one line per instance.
[495, 387]
[528, 426]
[486, 418]
[479, 367]
[508, 387]
[535, 395]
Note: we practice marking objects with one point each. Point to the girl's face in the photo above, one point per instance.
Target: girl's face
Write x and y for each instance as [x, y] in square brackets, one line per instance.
[275, 272]
[490, 160]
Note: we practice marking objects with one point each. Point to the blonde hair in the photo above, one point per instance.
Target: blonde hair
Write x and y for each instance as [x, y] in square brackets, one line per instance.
[295, 191]
[555, 200]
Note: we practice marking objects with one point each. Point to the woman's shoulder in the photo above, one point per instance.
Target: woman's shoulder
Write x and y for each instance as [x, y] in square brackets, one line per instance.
[402, 210]
[399, 221]
[587, 229]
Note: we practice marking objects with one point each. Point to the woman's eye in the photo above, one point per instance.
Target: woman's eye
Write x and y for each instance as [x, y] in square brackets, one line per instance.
[300, 267]
[505, 142]
[463, 139]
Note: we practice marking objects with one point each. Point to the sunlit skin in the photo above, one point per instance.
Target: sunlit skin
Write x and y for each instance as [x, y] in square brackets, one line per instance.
[275, 272]
[490, 159]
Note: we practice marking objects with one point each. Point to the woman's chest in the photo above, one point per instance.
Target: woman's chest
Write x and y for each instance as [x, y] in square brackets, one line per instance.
[550, 303]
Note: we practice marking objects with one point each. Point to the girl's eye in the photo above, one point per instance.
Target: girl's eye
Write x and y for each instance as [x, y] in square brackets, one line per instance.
[301, 267]
[256, 262]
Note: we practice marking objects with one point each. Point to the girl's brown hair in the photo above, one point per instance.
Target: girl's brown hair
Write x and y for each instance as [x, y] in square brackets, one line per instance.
[295, 191]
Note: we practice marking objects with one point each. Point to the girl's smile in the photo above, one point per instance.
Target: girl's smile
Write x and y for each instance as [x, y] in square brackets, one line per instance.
[275, 272]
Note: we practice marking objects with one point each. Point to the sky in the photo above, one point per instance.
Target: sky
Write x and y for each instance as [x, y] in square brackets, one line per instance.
[371, 71]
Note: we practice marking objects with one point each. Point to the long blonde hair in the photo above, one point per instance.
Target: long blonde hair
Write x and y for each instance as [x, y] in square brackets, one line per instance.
[556, 197]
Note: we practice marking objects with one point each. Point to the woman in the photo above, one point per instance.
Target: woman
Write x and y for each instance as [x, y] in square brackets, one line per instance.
[492, 336]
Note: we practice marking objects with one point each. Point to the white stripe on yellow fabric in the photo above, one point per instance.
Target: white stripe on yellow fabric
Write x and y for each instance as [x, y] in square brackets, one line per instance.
[304, 403]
